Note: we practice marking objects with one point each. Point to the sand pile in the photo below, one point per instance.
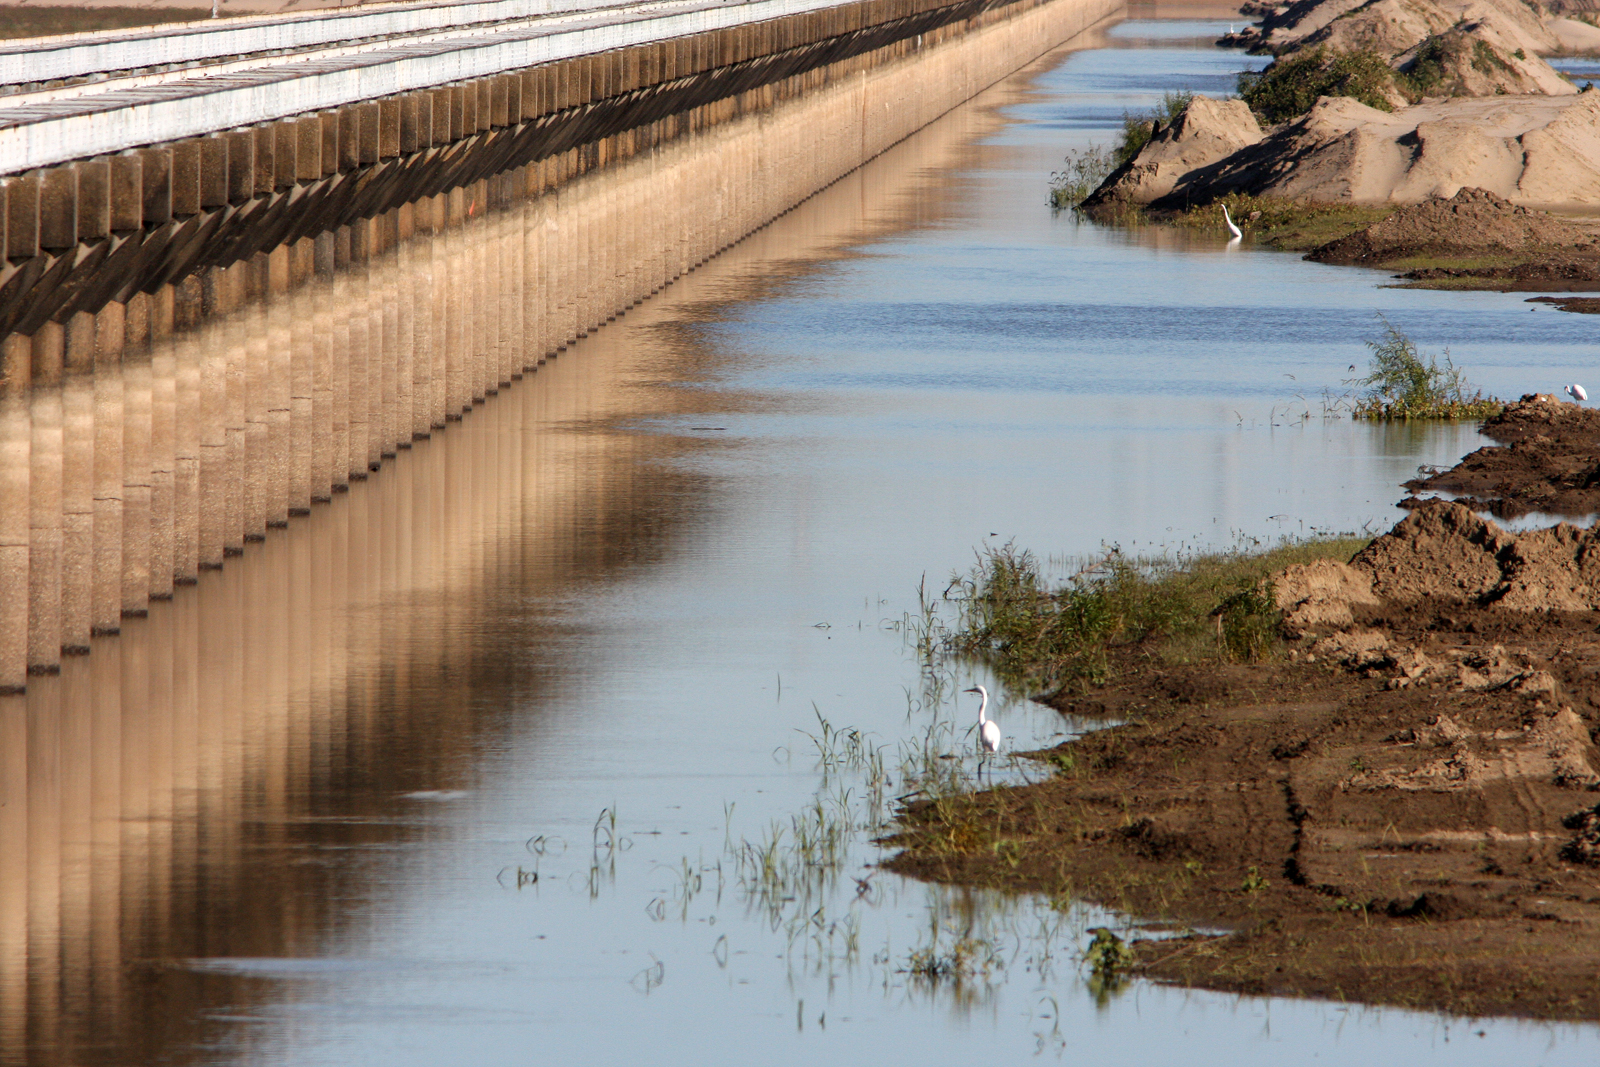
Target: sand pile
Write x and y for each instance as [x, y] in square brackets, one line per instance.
[1208, 130]
[1460, 99]
[1393, 27]
[1538, 150]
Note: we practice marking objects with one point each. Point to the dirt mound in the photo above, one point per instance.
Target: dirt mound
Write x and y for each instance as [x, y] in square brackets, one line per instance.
[1486, 56]
[1548, 461]
[1444, 553]
[1471, 221]
[1441, 551]
[1206, 131]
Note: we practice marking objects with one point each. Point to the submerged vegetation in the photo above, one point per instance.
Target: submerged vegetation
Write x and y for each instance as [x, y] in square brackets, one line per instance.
[1402, 383]
[1035, 636]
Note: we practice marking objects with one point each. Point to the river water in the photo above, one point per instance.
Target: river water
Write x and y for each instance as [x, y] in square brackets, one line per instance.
[461, 769]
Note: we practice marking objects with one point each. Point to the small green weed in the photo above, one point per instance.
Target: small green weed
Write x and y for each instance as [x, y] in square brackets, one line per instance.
[1107, 953]
[1254, 882]
[1109, 958]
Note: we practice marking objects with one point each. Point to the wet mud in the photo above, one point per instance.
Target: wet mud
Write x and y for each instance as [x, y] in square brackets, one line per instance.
[1547, 461]
[1400, 808]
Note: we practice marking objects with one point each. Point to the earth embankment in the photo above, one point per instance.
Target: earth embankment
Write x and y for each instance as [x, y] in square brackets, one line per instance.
[1398, 809]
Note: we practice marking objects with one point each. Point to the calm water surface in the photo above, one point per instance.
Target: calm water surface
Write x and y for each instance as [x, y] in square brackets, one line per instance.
[458, 771]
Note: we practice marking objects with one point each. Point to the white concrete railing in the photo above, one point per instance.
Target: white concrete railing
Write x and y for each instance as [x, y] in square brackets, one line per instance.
[80, 54]
[41, 135]
[213, 67]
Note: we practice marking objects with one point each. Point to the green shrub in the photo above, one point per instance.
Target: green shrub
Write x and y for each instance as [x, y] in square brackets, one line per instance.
[1249, 620]
[1290, 86]
[1402, 384]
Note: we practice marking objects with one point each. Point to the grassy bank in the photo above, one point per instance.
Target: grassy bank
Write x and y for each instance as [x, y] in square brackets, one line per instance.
[1037, 637]
[1285, 225]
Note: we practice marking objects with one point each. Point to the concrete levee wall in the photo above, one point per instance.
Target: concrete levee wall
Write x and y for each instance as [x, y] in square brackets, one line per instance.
[157, 435]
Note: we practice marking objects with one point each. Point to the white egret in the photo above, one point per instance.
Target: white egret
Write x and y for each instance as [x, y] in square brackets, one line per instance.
[1576, 392]
[988, 729]
[1237, 233]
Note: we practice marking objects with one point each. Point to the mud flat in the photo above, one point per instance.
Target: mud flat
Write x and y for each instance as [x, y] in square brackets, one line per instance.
[1398, 807]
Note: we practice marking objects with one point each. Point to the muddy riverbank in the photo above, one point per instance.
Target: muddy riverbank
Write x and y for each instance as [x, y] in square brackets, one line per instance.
[1399, 807]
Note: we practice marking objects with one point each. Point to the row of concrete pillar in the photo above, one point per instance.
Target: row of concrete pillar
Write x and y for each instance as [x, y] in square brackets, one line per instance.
[147, 442]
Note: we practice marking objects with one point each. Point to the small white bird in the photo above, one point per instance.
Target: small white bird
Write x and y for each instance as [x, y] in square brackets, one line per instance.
[1576, 392]
[988, 729]
[1237, 233]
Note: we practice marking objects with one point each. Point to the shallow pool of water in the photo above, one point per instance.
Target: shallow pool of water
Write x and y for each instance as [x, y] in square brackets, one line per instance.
[462, 769]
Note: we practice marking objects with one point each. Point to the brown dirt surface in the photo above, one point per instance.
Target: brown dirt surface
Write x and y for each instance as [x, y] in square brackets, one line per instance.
[1400, 809]
[1582, 305]
[1547, 461]
[1473, 235]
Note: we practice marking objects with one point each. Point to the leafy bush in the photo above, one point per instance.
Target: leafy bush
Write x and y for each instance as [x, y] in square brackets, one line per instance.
[1402, 384]
[1081, 174]
[1290, 86]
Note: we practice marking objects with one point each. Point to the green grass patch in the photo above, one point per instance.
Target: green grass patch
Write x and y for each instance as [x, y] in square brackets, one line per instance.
[49, 21]
[1287, 225]
[1291, 85]
[1402, 383]
[1503, 262]
[1201, 607]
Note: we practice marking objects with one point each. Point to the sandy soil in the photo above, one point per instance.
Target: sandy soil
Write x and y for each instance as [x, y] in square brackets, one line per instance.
[1400, 810]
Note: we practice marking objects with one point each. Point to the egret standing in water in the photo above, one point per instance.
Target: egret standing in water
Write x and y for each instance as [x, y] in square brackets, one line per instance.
[988, 729]
[1577, 393]
[1237, 233]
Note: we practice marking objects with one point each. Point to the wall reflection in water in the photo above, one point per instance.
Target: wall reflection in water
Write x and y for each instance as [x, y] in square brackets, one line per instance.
[221, 779]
